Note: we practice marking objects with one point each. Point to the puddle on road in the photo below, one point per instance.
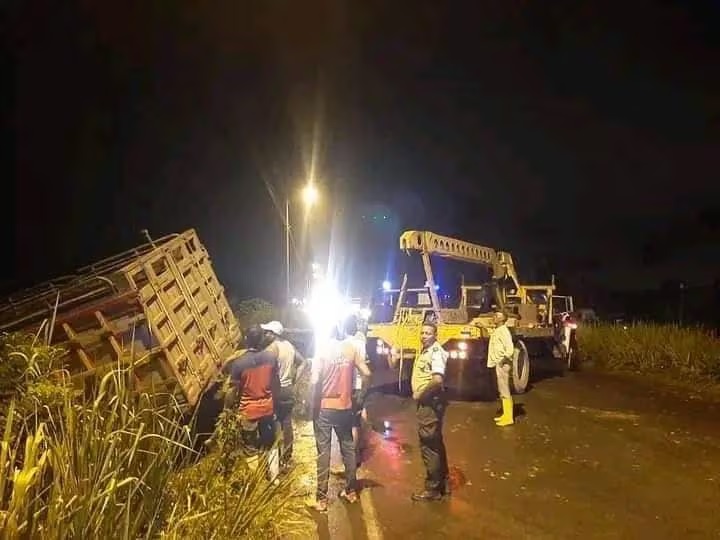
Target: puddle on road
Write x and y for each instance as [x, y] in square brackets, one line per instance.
[458, 478]
[609, 415]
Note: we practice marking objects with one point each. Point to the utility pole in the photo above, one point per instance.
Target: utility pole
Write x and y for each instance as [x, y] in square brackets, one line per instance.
[310, 196]
[682, 302]
[287, 250]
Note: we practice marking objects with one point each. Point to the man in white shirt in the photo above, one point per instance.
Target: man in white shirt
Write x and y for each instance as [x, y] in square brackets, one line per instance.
[290, 366]
[500, 356]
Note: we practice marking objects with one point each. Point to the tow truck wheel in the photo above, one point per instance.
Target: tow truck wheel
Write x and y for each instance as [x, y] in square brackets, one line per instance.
[520, 368]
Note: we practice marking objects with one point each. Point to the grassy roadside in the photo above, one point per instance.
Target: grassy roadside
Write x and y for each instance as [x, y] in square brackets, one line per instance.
[687, 357]
[121, 465]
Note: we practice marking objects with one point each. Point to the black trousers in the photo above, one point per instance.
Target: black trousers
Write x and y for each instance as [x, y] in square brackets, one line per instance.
[430, 416]
[258, 436]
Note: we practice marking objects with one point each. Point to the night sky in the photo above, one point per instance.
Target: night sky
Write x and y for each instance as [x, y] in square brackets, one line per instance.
[581, 136]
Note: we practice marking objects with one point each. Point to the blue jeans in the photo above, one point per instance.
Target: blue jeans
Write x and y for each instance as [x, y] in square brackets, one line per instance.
[341, 421]
[258, 436]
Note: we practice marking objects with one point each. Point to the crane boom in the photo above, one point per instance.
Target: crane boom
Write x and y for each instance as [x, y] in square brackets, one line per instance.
[444, 246]
[430, 243]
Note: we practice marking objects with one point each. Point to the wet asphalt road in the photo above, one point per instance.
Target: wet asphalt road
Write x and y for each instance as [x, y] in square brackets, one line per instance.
[590, 456]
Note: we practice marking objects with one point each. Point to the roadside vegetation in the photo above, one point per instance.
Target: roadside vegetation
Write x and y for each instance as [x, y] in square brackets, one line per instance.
[257, 311]
[688, 354]
[122, 465]
[254, 311]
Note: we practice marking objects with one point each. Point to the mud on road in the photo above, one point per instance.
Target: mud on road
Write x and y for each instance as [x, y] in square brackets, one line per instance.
[590, 456]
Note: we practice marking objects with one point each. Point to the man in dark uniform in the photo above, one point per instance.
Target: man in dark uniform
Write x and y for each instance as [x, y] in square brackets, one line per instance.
[429, 394]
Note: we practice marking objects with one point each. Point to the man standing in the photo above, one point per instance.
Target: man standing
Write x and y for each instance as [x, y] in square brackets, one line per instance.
[500, 355]
[253, 375]
[332, 381]
[360, 383]
[290, 366]
[429, 393]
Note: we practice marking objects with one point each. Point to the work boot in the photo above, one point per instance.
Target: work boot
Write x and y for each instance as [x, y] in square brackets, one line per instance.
[286, 466]
[349, 496]
[507, 417]
[445, 488]
[499, 413]
[426, 496]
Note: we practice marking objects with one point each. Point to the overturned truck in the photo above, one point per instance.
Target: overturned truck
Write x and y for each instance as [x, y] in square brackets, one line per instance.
[158, 308]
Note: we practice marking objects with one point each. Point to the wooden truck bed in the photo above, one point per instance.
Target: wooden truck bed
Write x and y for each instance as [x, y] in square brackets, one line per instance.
[158, 307]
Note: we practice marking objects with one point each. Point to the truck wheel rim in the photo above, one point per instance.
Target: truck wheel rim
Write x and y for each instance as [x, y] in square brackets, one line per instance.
[521, 366]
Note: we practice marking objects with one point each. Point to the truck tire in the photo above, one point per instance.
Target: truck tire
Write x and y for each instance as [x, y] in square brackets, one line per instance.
[520, 368]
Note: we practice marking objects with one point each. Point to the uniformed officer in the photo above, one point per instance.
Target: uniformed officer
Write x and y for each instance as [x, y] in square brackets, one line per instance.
[429, 394]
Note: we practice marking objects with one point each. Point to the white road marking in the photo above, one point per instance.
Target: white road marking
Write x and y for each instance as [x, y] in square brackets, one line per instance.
[372, 526]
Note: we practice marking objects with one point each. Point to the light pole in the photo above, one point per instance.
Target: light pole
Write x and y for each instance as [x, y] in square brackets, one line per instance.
[310, 196]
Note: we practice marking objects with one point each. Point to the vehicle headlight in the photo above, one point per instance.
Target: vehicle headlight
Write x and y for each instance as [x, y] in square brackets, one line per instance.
[382, 348]
[460, 350]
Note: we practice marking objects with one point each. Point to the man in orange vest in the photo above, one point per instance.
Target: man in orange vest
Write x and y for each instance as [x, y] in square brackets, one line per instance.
[254, 376]
[332, 380]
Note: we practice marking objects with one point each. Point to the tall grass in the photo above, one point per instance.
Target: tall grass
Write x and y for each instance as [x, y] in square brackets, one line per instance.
[108, 468]
[232, 497]
[31, 375]
[92, 470]
[690, 353]
[212, 502]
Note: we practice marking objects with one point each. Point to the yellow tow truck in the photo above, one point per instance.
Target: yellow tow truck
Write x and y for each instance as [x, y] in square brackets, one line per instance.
[464, 330]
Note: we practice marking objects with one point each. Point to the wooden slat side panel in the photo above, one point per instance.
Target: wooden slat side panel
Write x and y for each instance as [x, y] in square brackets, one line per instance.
[186, 309]
[226, 332]
[160, 297]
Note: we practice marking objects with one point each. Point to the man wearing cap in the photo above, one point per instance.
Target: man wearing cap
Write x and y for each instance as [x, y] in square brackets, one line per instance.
[356, 336]
[290, 366]
[253, 375]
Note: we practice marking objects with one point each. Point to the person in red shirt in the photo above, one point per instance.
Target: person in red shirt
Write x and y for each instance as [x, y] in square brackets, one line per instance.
[333, 373]
[254, 376]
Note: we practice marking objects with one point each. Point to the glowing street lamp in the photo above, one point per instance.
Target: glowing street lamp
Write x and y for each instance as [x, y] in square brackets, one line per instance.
[310, 196]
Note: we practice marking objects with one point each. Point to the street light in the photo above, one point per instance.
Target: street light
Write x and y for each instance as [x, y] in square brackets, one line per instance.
[310, 195]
